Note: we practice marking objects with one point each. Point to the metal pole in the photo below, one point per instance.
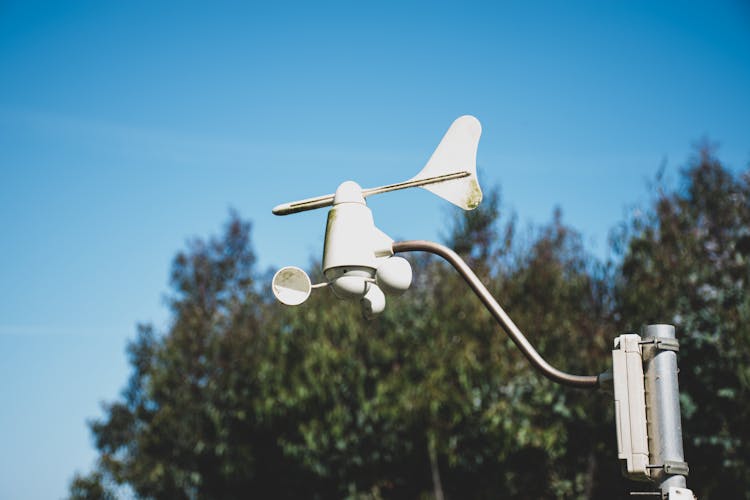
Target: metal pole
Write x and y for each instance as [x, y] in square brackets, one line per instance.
[668, 467]
[552, 373]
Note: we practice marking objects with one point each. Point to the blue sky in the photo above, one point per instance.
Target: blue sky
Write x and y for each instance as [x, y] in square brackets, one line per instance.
[127, 128]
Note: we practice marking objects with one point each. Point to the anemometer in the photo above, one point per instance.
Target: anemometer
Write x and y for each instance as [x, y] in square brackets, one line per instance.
[359, 263]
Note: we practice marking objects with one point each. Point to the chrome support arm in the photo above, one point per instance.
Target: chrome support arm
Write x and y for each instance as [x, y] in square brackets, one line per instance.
[552, 373]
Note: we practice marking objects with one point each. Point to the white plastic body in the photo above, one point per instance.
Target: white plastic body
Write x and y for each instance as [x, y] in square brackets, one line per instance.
[355, 249]
[630, 406]
[352, 241]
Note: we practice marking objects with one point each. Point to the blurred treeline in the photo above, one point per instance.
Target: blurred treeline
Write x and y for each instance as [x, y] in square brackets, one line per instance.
[244, 398]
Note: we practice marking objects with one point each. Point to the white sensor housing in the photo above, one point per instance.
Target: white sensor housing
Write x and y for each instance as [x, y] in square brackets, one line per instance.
[630, 406]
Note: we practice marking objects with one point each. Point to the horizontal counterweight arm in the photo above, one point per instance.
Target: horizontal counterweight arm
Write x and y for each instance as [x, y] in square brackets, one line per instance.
[327, 199]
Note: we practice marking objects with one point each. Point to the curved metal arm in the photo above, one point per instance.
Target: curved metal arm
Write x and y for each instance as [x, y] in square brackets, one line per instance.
[552, 373]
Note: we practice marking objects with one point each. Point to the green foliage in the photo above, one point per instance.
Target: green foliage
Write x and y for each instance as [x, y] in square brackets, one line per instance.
[91, 487]
[244, 398]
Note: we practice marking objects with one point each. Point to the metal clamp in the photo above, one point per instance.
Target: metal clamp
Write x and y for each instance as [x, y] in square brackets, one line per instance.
[662, 343]
[672, 467]
[676, 468]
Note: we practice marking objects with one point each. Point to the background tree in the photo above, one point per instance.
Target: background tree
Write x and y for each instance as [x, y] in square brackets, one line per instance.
[190, 422]
[687, 262]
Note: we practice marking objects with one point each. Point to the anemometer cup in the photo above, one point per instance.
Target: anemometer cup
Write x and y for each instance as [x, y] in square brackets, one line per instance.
[373, 303]
[351, 284]
[291, 286]
[394, 275]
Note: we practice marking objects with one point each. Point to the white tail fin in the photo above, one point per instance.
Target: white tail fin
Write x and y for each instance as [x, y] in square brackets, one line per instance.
[457, 152]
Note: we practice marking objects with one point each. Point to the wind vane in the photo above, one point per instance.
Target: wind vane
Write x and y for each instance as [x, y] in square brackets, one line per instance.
[358, 261]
